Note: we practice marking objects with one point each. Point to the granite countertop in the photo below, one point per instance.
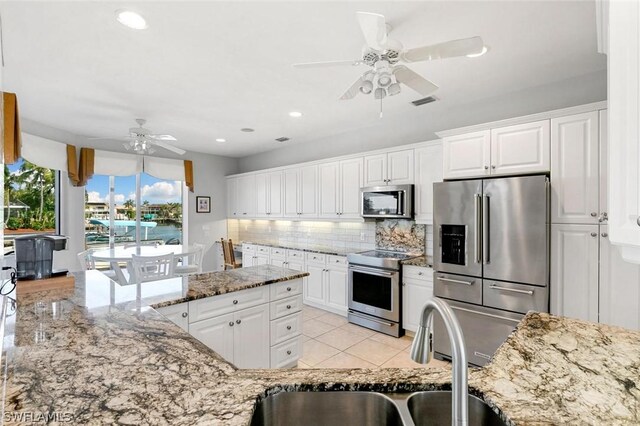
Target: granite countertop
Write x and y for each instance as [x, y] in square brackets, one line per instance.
[311, 248]
[424, 261]
[99, 353]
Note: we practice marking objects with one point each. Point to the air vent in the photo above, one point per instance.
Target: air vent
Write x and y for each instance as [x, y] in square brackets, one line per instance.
[424, 101]
[282, 139]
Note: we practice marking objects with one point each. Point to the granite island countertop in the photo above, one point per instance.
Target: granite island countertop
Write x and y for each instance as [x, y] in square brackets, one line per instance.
[100, 353]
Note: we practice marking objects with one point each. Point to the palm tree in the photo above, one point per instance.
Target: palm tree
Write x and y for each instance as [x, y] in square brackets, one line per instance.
[130, 206]
[9, 181]
[37, 178]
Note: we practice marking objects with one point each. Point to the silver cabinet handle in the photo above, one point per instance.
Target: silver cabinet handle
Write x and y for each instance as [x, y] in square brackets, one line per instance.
[420, 273]
[288, 306]
[235, 302]
[513, 290]
[288, 288]
[477, 203]
[230, 323]
[493, 167]
[288, 352]
[449, 280]
[594, 234]
[594, 214]
[486, 167]
[486, 230]
[604, 235]
[288, 327]
[184, 315]
[238, 321]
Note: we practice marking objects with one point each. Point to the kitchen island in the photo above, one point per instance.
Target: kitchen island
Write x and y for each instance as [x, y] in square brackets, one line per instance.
[99, 353]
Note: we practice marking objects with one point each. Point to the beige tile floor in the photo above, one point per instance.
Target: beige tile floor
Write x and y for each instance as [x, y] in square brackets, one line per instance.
[329, 341]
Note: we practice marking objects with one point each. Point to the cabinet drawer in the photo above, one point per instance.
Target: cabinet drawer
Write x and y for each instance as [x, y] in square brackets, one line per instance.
[515, 297]
[217, 305]
[263, 250]
[250, 248]
[285, 307]
[417, 272]
[278, 252]
[285, 289]
[316, 258]
[333, 261]
[295, 254]
[285, 328]
[286, 354]
[458, 287]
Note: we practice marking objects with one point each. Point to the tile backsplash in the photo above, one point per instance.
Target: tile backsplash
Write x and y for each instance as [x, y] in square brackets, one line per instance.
[404, 235]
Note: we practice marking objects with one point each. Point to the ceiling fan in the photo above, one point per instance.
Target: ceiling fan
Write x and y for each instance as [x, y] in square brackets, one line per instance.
[141, 140]
[384, 56]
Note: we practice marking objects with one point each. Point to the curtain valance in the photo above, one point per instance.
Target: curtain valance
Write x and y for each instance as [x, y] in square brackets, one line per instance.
[11, 134]
[166, 168]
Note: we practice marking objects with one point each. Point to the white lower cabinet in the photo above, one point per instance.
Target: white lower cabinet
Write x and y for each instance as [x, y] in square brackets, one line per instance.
[417, 288]
[326, 286]
[314, 289]
[254, 328]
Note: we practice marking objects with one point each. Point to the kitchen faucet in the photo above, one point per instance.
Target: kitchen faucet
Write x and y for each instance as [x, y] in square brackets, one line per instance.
[422, 352]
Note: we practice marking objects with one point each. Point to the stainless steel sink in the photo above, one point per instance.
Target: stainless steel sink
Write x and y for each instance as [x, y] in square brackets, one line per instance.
[326, 408]
[434, 408]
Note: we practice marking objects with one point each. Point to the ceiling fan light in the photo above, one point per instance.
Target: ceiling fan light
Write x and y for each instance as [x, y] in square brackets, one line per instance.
[393, 89]
[384, 79]
[380, 93]
[366, 87]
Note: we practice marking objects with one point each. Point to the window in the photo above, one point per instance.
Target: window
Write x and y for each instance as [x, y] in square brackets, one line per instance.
[160, 210]
[30, 201]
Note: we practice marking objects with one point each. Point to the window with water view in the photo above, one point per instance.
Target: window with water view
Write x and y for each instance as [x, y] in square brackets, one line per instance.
[160, 210]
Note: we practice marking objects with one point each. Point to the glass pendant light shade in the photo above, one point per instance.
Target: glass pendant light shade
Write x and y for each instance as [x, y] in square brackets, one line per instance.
[380, 93]
[393, 89]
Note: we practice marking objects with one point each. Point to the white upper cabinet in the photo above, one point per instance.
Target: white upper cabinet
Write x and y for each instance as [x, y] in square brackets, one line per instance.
[604, 164]
[523, 148]
[392, 168]
[262, 194]
[467, 155]
[290, 192]
[328, 191]
[624, 127]
[300, 192]
[268, 194]
[246, 196]
[574, 169]
[428, 169]
[232, 197]
[350, 184]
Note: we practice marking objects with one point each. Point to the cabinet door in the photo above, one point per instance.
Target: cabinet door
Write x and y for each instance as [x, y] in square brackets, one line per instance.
[375, 170]
[619, 286]
[177, 314]
[328, 190]
[350, 184]
[216, 333]
[314, 285]
[295, 265]
[337, 289]
[415, 294]
[261, 259]
[232, 198]
[308, 191]
[246, 196]
[262, 194]
[466, 155]
[275, 195]
[400, 167]
[574, 271]
[248, 258]
[428, 165]
[604, 165]
[251, 337]
[524, 148]
[291, 192]
[574, 169]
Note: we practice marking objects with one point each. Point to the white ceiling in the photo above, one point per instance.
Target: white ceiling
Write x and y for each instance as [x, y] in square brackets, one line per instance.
[204, 70]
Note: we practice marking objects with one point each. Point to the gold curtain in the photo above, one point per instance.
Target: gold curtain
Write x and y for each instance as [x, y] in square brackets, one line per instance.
[188, 174]
[72, 165]
[85, 172]
[11, 128]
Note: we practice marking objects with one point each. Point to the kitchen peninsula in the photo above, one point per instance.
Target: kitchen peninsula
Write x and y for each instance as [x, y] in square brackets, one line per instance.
[100, 353]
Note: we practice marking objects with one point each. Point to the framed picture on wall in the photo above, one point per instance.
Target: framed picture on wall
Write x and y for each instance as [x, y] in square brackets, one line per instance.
[203, 204]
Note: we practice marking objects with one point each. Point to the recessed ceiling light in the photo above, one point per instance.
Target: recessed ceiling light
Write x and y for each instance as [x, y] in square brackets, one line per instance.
[131, 19]
[247, 129]
[475, 55]
[221, 140]
[295, 114]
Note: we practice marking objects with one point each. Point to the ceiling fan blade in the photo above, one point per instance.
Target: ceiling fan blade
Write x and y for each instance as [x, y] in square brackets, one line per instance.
[327, 64]
[169, 147]
[414, 80]
[353, 90]
[448, 49]
[374, 29]
[162, 137]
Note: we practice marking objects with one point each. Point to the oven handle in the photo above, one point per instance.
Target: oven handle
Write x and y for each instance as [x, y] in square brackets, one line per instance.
[449, 280]
[373, 271]
[367, 317]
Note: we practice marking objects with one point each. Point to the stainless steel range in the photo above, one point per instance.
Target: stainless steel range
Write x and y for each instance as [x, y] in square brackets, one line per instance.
[375, 290]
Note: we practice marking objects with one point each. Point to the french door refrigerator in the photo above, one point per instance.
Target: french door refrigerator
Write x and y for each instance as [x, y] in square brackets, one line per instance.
[491, 257]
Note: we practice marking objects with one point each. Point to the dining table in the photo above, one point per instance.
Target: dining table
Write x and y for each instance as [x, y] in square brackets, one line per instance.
[115, 256]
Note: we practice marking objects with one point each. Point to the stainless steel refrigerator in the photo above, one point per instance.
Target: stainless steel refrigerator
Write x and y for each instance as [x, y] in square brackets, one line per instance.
[491, 257]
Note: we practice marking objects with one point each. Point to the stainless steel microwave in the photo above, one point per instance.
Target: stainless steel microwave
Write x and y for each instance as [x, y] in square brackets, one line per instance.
[387, 202]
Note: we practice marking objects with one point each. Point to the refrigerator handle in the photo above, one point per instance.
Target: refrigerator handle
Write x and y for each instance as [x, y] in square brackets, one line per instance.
[478, 233]
[486, 233]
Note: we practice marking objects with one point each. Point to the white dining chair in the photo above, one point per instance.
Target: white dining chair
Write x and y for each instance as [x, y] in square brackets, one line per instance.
[87, 263]
[152, 268]
[192, 262]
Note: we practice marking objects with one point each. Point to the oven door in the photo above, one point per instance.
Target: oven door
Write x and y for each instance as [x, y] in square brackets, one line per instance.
[375, 292]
